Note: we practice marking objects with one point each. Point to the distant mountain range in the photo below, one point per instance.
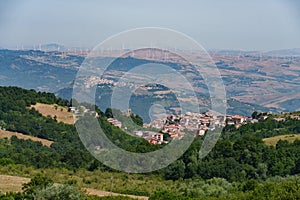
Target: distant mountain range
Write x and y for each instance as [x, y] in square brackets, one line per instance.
[52, 47]
[280, 52]
[284, 52]
[46, 73]
[253, 81]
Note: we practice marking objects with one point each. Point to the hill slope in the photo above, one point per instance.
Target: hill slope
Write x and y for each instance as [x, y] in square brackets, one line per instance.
[9, 134]
[60, 112]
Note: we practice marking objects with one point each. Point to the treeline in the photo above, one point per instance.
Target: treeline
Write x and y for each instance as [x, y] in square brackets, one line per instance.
[26, 97]
[243, 159]
[240, 154]
[219, 189]
[264, 129]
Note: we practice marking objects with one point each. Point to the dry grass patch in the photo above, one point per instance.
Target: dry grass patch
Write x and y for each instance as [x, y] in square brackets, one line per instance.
[61, 113]
[12, 183]
[9, 134]
[101, 193]
[272, 141]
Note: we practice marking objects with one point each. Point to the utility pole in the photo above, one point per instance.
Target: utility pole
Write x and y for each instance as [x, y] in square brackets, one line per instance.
[111, 185]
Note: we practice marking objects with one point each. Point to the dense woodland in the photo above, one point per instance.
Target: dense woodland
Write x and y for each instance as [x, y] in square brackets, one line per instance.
[239, 166]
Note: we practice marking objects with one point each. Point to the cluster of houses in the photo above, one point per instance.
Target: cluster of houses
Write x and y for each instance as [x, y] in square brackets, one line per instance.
[176, 126]
[101, 82]
[151, 136]
[295, 117]
[237, 120]
[115, 122]
[95, 80]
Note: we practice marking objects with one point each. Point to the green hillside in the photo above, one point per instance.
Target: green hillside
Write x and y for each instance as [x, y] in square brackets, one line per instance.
[240, 166]
[274, 140]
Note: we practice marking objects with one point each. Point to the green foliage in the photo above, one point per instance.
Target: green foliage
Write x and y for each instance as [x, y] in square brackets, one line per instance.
[255, 115]
[108, 113]
[108, 198]
[12, 196]
[175, 170]
[38, 182]
[41, 187]
[136, 192]
[167, 195]
[16, 116]
[137, 119]
[238, 167]
[59, 192]
[6, 161]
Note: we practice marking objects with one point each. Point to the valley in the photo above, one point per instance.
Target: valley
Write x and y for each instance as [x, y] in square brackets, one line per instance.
[270, 82]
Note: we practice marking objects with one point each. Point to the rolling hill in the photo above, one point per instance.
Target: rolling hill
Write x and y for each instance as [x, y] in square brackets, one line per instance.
[263, 81]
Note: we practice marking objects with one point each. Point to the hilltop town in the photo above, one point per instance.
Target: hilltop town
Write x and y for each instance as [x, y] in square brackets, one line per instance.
[176, 126]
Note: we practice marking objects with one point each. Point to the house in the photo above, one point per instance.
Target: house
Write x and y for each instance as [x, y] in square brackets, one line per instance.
[159, 137]
[205, 121]
[72, 108]
[171, 128]
[114, 122]
[254, 121]
[201, 132]
[230, 123]
[153, 137]
[158, 124]
[175, 135]
[238, 119]
[127, 112]
[152, 141]
[278, 119]
[97, 148]
[263, 118]
[138, 133]
[295, 117]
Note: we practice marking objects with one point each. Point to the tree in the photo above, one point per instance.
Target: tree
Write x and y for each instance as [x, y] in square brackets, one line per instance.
[262, 170]
[74, 103]
[254, 115]
[137, 119]
[108, 113]
[175, 170]
[40, 181]
[2, 124]
[58, 192]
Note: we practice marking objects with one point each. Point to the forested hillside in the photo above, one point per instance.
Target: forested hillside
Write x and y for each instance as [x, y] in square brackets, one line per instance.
[67, 150]
[241, 165]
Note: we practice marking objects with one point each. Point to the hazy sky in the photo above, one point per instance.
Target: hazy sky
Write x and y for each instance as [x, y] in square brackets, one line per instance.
[216, 24]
